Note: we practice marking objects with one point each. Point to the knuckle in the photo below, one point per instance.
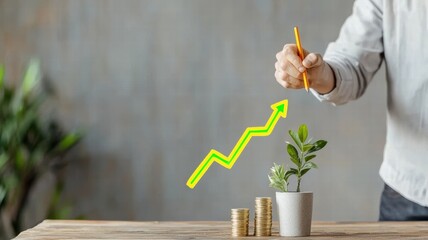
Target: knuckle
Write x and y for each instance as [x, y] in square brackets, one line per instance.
[313, 56]
[283, 65]
[295, 61]
[286, 85]
[287, 46]
[287, 49]
[279, 75]
[284, 76]
[278, 65]
[308, 62]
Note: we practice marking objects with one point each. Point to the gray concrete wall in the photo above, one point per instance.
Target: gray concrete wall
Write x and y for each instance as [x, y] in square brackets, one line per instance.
[156, 84]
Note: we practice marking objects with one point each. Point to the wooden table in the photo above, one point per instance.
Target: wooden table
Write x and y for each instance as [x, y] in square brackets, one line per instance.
[70, 229]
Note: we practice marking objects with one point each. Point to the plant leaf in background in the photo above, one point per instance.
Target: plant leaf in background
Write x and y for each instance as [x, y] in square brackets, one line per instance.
[56, 211]
[2, 194]
[1, 75]
[3, 161]
[30, 145]
[20, 160]
[31, 78]
[68, 141]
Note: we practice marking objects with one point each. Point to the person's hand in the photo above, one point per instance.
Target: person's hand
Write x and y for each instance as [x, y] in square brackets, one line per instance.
[289, 68]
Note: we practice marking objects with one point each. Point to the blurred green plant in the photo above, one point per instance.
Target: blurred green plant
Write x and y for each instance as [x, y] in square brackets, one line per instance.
[30, 146]
[301, 156]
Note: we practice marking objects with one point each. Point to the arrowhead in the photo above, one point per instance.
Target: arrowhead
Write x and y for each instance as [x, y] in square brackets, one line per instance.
[281, 107]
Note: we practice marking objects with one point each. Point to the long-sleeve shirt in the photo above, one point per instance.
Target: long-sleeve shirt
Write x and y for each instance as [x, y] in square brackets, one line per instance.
[394, 31]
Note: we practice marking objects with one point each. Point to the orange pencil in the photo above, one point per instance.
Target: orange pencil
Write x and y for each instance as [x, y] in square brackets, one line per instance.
[301, 55]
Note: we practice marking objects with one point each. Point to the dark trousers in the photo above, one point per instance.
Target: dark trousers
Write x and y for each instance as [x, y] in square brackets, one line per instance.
[394, 207]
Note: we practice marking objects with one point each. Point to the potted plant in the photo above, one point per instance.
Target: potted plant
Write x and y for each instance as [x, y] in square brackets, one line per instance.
[295, 207]
[31, 145]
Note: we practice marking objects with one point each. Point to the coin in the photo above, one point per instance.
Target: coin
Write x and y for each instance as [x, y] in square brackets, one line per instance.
[263, 216]
[239, 219]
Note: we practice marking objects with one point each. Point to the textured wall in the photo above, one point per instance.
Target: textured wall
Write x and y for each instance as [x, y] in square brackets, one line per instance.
[157, 84]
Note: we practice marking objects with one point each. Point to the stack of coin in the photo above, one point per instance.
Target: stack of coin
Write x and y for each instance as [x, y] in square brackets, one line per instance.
[240, 219]
[263, 216]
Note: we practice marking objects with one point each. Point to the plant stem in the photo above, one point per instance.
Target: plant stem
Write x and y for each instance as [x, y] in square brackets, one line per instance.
[23, 196]
[302, 162]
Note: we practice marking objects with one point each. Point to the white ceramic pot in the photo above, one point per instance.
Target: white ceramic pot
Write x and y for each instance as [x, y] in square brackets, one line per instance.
[295, 213]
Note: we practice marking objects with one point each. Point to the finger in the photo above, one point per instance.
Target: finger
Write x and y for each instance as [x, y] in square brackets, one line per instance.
[288, 81]
[287, 49]
[279, 79]
[287, 67]
[296, 62]
[277, 66]
[295, 83]
[291, 54]
[279, 55]
[312, 60]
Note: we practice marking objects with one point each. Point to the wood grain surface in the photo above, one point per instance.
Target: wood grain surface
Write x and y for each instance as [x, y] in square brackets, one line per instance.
[69, 229]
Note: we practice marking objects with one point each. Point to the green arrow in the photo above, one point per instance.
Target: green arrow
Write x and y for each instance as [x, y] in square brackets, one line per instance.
[279, 110]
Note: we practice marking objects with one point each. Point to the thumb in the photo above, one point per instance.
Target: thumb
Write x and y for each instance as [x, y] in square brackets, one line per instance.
[312, 60]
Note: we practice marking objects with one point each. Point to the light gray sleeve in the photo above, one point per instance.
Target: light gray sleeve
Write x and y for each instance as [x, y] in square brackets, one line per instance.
[357, 53]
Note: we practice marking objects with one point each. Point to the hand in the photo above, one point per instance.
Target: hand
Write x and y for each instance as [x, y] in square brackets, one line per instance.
[289, 69]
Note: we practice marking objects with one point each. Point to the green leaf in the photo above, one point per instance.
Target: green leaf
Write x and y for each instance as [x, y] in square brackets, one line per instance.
[8, 130]
[31, 78]
[292, 151]
[294, 155]
[68, 141]
[279, 184]
[296, 139]
[10, 182]
[310, 165]
[20, 160]
[37, 155]
[306, 147]
[304, 171]
[278, 178]
[310, 157]
[1, 75]
[307, 166]
[296, 161]
[318, 145]
[278, 171]
[3, 160]
[29, 116]
[303, 133]
[293, 171]
[288, 174]
[2, 194]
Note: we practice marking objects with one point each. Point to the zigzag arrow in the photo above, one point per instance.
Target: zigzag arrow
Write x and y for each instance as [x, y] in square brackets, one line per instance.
[279, 110]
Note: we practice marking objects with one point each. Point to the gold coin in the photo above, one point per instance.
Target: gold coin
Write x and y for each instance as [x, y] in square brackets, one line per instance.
[263, 216]
[239, 218]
